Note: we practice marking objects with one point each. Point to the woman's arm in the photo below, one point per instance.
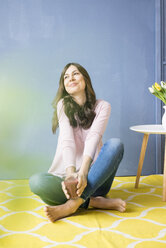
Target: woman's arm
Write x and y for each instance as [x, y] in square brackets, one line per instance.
[67, 139]
[68, 145]
[83, 173]
[85, 165]
[97, 128]
[92, 140]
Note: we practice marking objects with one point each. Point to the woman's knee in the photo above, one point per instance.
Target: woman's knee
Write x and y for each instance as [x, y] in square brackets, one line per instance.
[36, 182]
[115, 144]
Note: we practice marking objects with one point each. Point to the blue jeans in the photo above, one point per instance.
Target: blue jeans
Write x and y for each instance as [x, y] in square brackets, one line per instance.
[99, 180]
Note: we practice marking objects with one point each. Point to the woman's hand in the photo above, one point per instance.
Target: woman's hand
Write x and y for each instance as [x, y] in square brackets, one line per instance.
[73, 174]
[82, 183]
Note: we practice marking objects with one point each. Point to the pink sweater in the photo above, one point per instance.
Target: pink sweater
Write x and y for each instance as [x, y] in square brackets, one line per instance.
[74, 143]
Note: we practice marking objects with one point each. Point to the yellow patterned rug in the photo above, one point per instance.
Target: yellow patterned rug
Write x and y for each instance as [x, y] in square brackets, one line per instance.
[143, 225]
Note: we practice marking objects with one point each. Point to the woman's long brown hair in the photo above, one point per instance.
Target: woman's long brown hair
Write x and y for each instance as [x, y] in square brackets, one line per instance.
[78, 115]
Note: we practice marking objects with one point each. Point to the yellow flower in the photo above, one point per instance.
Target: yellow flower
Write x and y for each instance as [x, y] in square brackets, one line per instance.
[157, 86]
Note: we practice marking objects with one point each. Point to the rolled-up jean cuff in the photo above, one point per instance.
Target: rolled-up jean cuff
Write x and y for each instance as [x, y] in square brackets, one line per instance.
[85, 204]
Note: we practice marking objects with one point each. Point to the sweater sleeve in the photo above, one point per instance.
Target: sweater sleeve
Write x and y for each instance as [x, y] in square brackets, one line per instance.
[97, 128]
[67, 137]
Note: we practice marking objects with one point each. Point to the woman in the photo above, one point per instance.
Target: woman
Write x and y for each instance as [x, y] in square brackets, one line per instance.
[82, 121]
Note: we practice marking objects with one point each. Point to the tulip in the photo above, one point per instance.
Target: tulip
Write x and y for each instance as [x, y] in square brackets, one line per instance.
[163, 84]
[157, 86]
[151, 90]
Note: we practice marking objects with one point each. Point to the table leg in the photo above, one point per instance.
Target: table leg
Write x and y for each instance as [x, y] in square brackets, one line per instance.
[141, 158]
[164, 176]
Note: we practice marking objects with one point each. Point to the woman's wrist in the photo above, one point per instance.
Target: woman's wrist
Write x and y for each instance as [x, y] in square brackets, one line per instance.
[83, 172]
[70, 170]
[85, 165]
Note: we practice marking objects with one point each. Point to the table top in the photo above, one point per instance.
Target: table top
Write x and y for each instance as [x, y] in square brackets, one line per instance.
[149, 129]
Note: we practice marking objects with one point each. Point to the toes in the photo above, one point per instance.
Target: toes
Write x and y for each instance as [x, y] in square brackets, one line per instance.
[123, 207]
[123, 210]
[48, 213]
[45, 209]
[124, 204]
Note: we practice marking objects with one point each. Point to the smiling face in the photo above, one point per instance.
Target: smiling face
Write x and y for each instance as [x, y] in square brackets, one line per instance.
[74, 81]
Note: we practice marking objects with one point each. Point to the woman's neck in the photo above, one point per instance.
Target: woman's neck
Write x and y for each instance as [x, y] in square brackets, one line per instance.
[80, 98]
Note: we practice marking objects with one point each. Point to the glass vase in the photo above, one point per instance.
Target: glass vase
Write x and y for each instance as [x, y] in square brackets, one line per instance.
[164, 118]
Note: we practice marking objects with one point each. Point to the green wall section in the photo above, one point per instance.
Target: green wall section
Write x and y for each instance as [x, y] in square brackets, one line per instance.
[25, 110]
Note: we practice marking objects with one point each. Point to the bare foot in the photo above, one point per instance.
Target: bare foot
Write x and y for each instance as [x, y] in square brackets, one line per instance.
[54, 213]
[106, 203]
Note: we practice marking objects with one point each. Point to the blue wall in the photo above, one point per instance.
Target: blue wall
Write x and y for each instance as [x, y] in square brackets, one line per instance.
[113, 39]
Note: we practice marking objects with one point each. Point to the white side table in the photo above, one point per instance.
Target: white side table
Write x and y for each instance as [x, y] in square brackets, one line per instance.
[147, 130]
